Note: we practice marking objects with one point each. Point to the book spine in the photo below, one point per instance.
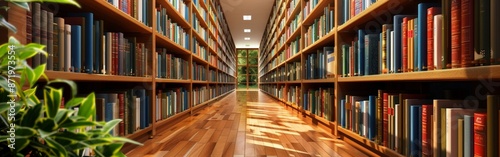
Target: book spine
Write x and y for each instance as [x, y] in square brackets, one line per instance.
[43, 34]
[76, 47]
[386, 119]
[446, 34]
[61, 44]
[415, 130]
[50, 41]
[484, 30]
[438, 37]
[492, 104]
[426, 130]
[121, 113]
[460, 137]
[404, 44]
[455, 34]
[468, 136]
[430, 36]
[480, 135]
[467, 32]
[36, 16]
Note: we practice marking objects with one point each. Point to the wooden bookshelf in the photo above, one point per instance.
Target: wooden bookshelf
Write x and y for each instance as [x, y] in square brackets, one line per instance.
[153, 41]
[344, 32]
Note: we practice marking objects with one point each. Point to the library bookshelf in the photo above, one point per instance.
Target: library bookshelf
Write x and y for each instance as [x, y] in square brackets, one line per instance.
[182, 42]
[303, 36]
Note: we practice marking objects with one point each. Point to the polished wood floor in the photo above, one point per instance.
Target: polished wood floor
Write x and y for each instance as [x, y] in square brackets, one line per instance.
[244, 123]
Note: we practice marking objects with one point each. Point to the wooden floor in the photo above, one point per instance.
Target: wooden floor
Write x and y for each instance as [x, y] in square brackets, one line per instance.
[244, 123]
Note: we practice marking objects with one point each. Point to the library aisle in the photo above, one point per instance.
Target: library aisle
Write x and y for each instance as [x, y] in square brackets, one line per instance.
[245, 123]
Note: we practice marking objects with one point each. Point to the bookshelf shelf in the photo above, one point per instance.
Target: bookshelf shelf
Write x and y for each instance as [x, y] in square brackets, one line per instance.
[293, 82]
[102, 8]
[459, 74]
[294, 34]
[316, 12]
[369, 143]
[94, 77]
[328, 38]
[161, 80]
[140, 37]
[327, 80]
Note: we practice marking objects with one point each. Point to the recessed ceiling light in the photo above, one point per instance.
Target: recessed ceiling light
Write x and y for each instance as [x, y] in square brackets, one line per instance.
[247, 17]
[247, 38]
[247, 30]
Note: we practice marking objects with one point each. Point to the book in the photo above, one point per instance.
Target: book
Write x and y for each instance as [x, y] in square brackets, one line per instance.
[423, 15]
[406, 101]
[438, 38]
[43, 35]
[460, 138]
[426, 130]
[431, 12]
[468, 136]
[446, 34]
[67, 51]
[330, 62]
[76, 47]
[493, 105]
[415, 128]
[398, 47]
[480, 137]
[495, 32]
[36, 25]
[467, 32]
[452, 133]
[50, 41]
[61, 43]
[455, 34]
[437, 134]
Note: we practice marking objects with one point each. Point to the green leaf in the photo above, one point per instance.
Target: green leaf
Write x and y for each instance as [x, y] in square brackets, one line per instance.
[45, 134]
[78, 125]
[87, 108]
[56, 147]
[30, 92]
[39, 70]
[73, 102]
[112, 149]
[4, 48]
[46, 124]
[52, 98]
[68, 82]
[6, 24]
[29, 51]
[32, 114]
[62, 116]
[110, 125]
[72, 136]
[23, 5]
[28, 74]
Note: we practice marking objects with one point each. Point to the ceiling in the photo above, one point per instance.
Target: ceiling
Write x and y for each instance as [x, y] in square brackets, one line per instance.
[234, 11]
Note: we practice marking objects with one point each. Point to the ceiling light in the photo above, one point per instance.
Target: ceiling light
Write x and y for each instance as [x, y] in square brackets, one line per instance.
[247, 38]
[247, 17]
[247, 30]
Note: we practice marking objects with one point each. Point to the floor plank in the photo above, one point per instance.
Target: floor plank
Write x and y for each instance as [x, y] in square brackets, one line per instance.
[244, 124]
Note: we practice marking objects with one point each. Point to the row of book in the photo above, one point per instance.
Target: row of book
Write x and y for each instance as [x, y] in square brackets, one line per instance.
[308, 8]
[78, 43]
[203, 12]
[320, 64]
[319, 101]
[212, 59]
[200, 50]
[293, 48]
[201, 94]
[199, 72]
[171, 67]
[320, 27]
[351, 8]
[420, 42]
[225, 78]
[412, 125]
[292, 94]
[138, 9]
[293, 26]
[212, 75]
[294, 71]
[181, 7]
[130, 105]
[270, 89]
[223, 89]
[170, 102]
[170, 28]
[202, 31]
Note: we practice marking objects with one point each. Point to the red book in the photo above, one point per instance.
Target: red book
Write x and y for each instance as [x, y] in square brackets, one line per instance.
[121, 110]
[404, 43]
[385, 131]
[353, 8]
[467, 32]
[480, 134]
[455, 34]
[426, 130]
[352, 57]
[430, 35]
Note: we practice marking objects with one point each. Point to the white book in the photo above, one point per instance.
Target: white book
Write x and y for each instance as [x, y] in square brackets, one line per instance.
[365, 118]
[393, 57]
[437, 32]
[103, 57]
[139, 10]
[396, 130]
[67, 50]
[452, 116]
[115, 3]
[137, 113]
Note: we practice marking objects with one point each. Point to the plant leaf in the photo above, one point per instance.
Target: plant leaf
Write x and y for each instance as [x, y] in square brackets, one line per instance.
[45, 134]
[30, 92]
[30, 74]
[38, 71]
[68, 82]
[110, 125]
[73, 102]
[32, 114]
[6, 24]
[52, 99]
[46, 124]
[62, 116]
[56, 147]
[78, 125]
[4, 48]
[111, 149]
[87, 108]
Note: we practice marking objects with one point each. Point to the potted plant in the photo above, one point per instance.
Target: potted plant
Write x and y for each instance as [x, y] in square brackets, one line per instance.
[38, 126]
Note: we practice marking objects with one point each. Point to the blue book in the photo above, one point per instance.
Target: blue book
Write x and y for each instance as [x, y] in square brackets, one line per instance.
[372, 115]
[422, 34]
[98, 46]
[76, 47]
[398, 19]
[88, 36]
[342, 113]
[148, 110]
[361, 52]
[415, 130]
[371, 54]
[468, 136]
[108, 113]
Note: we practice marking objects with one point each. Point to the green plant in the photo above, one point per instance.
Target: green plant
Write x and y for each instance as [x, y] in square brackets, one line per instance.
[39, 126]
